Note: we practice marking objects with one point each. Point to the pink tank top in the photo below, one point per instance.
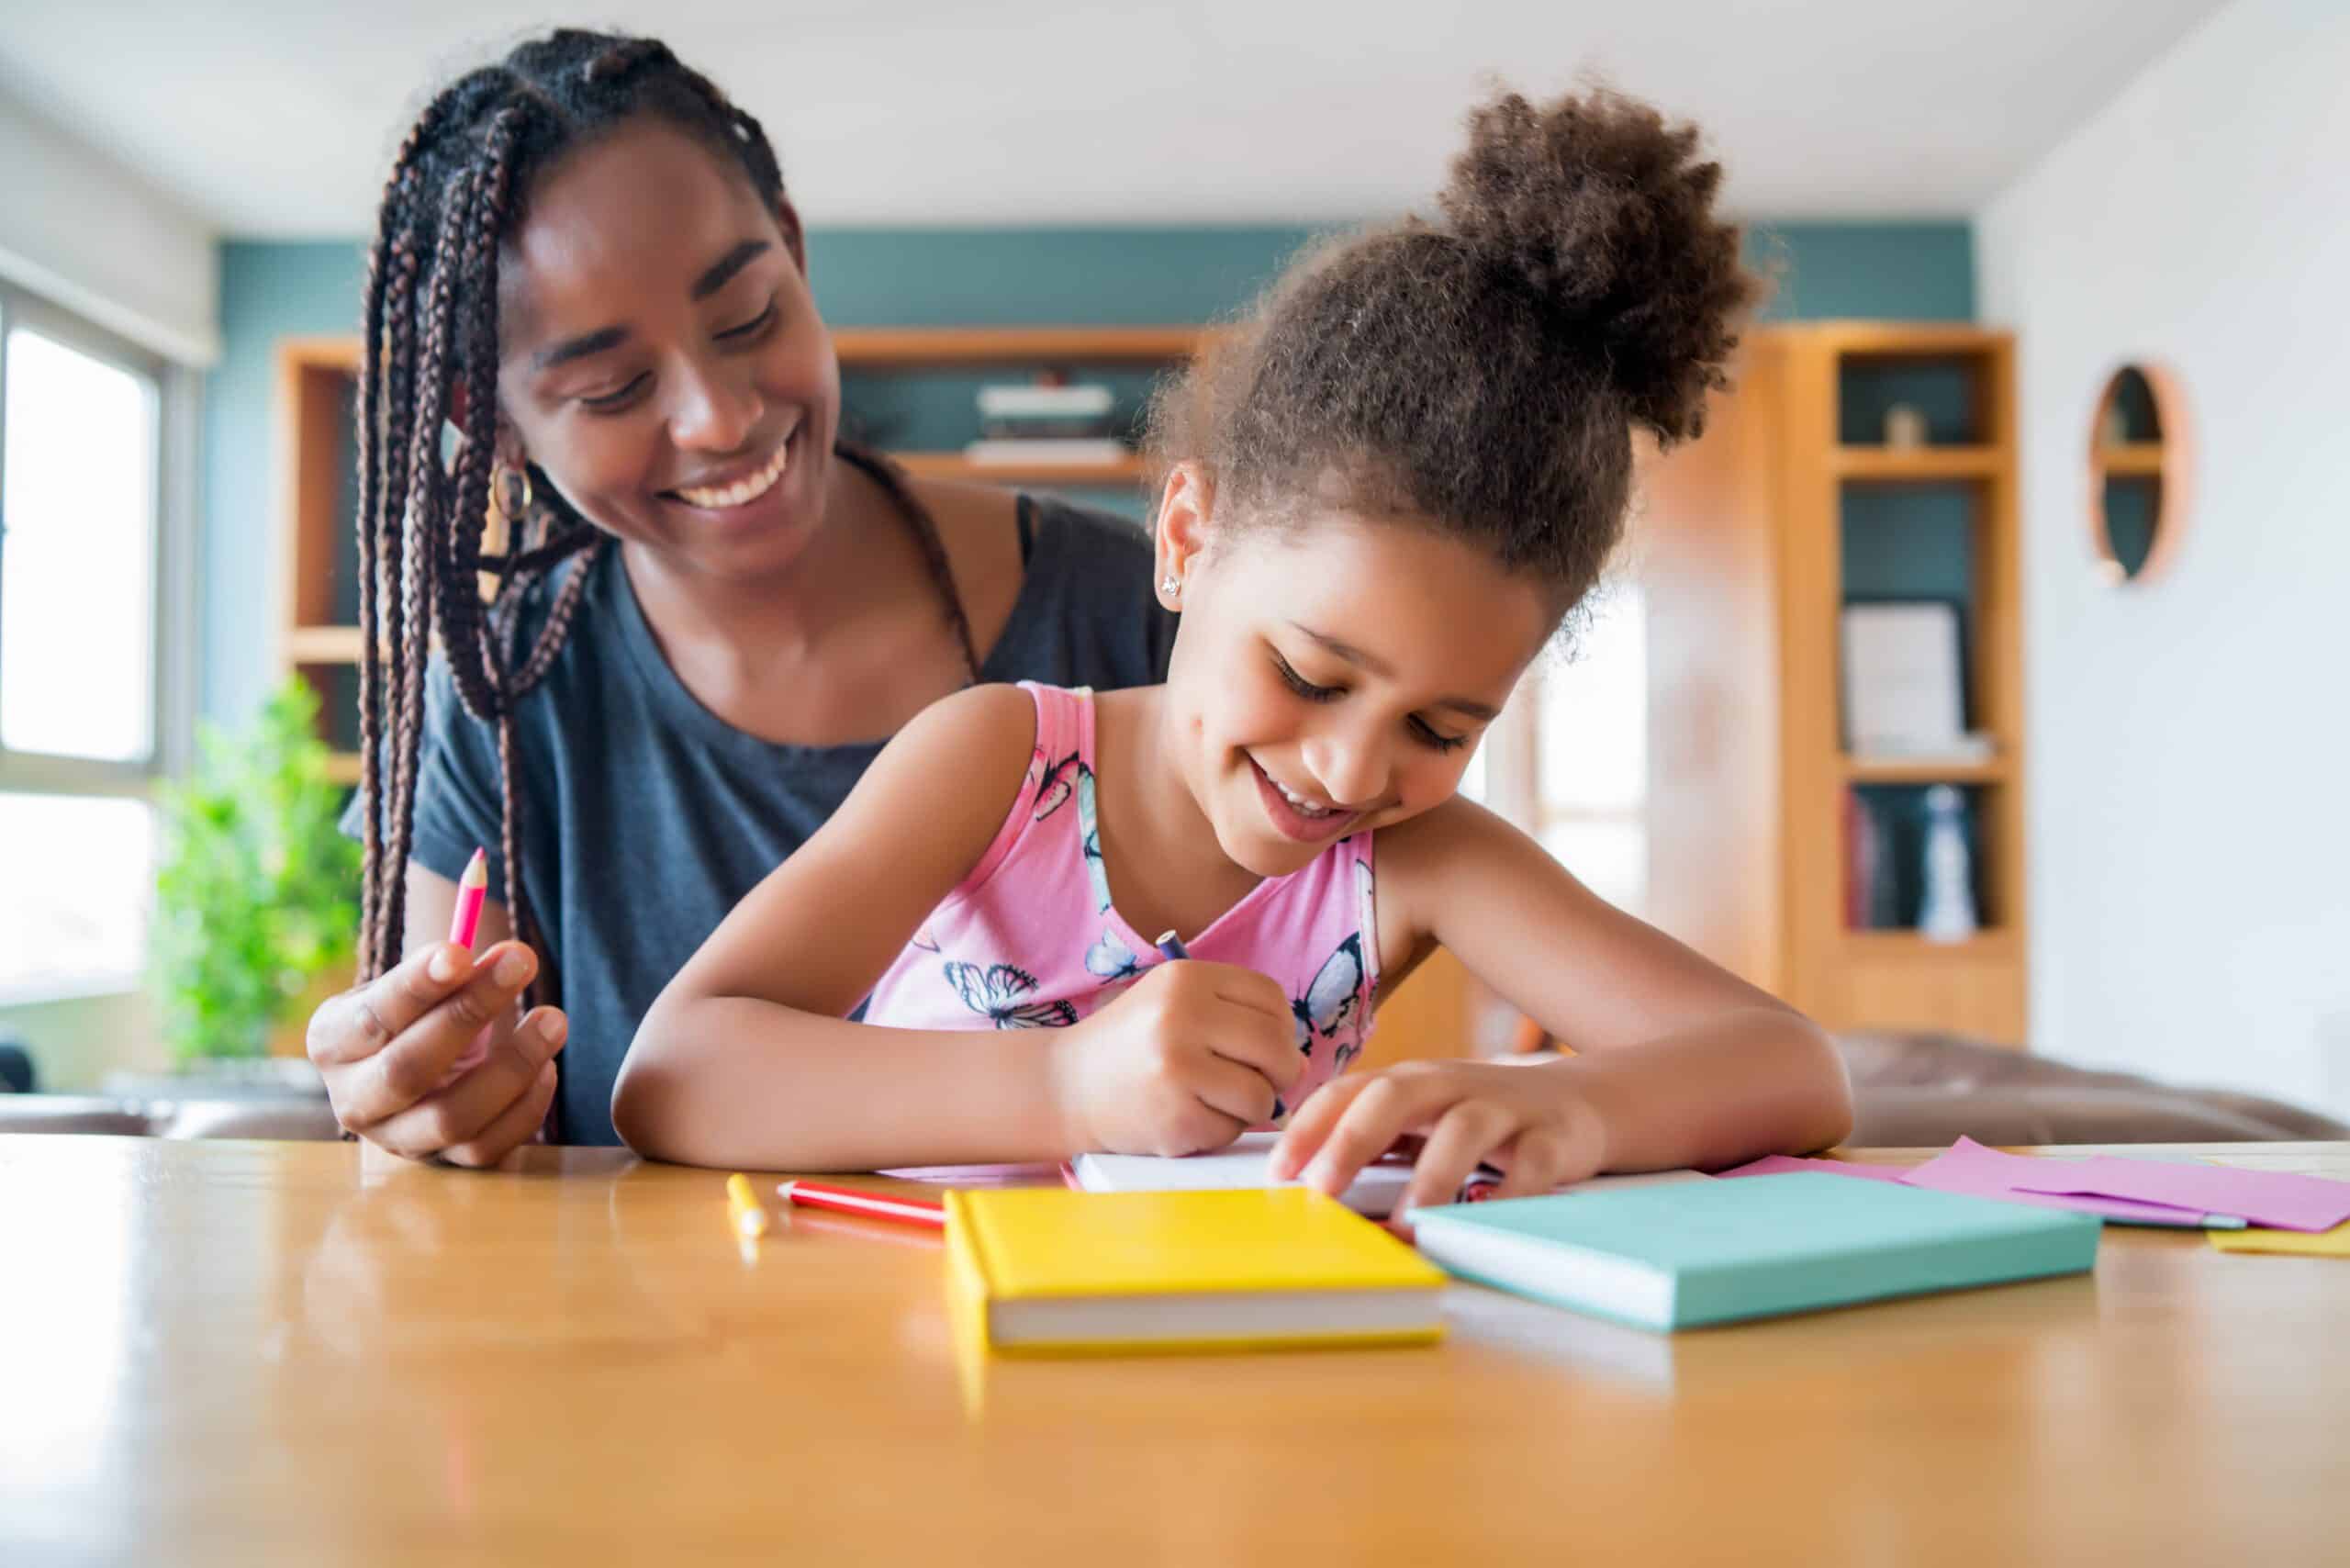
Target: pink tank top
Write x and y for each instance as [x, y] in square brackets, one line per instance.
[1031, 939]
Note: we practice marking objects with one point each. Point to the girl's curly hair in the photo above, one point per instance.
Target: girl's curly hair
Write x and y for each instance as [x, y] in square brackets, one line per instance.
[1483, 372]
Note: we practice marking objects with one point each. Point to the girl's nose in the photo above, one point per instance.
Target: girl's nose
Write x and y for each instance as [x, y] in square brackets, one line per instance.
[714, 412]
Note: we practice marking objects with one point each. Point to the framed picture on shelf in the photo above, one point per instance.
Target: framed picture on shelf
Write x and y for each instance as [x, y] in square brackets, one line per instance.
[1904, 679]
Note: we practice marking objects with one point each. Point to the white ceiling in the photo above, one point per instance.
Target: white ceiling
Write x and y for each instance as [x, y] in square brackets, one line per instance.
[277, 116]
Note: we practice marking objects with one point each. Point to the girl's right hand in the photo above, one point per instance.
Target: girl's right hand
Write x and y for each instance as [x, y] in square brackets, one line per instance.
[386, 1050]
[1189, 1058]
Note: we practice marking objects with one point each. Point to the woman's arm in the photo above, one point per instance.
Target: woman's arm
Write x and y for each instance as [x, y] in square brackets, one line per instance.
[1724, 1072]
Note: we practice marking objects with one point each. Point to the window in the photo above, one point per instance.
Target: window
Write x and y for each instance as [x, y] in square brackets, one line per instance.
[1569, 761]
[82, 718]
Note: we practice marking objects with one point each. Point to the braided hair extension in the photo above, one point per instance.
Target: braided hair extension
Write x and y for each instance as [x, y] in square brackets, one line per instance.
[429, 350]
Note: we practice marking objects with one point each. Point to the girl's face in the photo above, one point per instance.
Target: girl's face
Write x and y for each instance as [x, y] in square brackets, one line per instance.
[660, 358]
[1336, 677]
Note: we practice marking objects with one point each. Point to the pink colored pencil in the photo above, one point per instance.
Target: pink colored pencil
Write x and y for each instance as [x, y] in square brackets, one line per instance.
[470, 889]
[849, 1201]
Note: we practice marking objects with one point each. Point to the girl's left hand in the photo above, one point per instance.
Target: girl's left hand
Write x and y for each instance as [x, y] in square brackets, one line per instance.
[1531, 1123]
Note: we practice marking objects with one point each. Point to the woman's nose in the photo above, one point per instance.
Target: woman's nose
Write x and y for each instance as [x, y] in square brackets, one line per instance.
[714, 412]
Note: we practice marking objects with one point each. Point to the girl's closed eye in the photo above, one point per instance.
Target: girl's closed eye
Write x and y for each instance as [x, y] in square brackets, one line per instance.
[1304, 687]
[1435, 738]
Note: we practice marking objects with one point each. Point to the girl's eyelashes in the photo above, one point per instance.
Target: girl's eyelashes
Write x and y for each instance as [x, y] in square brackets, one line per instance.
[1304, 687]
[1437, 737]
[1421, 731]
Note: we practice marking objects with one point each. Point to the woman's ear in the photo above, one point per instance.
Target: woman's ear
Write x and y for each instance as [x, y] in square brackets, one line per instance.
[1186, 506]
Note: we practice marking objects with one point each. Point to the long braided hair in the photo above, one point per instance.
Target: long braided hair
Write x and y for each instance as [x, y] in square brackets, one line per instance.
[453, 197]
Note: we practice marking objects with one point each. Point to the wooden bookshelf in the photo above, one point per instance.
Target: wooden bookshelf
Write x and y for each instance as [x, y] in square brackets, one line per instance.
[1742, 550]
[1915, 464]
[955, 466]
[919, 348]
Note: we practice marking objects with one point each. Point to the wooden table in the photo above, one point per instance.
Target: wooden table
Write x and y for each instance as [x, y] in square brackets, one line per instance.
[250, 1353]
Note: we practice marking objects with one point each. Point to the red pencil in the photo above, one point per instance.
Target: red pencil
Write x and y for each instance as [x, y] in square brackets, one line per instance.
[470, 889]
[849, 1201]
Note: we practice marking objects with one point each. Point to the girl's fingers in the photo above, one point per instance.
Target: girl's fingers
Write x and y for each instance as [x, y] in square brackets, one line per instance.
[1310, 1125]
[1381, 1111]
[1463, 1138]
[1238, 1092]
[1538, 1160]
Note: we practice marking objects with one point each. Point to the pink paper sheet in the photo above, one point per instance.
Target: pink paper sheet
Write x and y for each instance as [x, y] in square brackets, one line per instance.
[1781, 1164]
[2274, 1198]
[1968, 1166]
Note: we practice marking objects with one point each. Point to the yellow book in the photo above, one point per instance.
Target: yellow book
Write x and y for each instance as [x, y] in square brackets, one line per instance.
[1046, 1270]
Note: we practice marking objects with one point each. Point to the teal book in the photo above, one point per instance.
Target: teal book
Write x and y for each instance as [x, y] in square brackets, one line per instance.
[1699, 1252]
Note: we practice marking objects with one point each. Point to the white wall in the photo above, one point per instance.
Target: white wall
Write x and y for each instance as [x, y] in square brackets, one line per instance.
[2189, 738]
[82, 232]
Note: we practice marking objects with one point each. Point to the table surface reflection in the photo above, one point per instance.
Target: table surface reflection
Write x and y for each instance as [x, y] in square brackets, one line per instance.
[244, 1352]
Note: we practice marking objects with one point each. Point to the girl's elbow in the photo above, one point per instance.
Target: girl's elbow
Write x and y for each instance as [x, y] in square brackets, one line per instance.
[1832, 1102]
[641, 1093]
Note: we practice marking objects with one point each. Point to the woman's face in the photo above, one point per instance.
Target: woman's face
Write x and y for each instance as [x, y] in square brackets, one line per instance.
[660, 358]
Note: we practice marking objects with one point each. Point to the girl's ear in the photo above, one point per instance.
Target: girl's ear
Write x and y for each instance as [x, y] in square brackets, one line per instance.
[1185, 509]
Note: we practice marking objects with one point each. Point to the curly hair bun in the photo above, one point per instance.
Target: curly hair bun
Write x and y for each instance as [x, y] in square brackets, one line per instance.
[1604, 212]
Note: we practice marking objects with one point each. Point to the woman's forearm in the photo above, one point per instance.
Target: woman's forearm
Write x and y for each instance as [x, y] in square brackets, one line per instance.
[737, 1081]
[1756, 1081]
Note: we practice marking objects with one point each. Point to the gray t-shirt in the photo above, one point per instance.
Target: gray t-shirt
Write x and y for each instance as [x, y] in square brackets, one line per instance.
[646, 817]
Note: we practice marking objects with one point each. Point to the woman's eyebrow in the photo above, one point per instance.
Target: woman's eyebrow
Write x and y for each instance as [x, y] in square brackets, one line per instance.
[713, 278]
[723, 270]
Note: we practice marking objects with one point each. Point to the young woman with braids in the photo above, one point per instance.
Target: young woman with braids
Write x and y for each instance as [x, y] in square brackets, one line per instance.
[711, 611]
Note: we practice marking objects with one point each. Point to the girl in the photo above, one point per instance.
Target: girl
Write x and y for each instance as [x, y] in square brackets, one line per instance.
[585, 260]
[1382, 497]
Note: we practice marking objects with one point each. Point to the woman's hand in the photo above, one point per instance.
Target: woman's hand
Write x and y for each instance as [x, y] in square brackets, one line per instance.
[1190, 1056]
[1528, 1122]
[428, 1060]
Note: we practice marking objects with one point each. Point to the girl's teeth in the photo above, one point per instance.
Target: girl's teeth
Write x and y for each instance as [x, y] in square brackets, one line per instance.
[1306, 807]
[743, 491]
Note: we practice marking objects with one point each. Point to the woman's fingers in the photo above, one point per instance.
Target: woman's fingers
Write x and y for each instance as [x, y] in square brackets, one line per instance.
[411, 1065]
[514, 1126]
[466, 1110]
[364, 1020]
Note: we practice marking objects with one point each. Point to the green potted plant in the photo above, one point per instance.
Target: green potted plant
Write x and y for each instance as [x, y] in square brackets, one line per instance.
[258, 894]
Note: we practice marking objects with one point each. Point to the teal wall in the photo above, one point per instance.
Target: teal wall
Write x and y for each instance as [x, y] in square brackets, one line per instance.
[907, 277]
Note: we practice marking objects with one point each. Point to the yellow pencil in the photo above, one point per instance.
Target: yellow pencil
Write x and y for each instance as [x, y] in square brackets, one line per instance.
[750, 1214]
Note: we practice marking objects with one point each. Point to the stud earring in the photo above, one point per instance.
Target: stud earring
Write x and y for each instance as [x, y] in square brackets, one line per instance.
[1171, 586]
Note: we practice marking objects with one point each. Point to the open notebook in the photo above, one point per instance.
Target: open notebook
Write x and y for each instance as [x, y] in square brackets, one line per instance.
[1373, 1192]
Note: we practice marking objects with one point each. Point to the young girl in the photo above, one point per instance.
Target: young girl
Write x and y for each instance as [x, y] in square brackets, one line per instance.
[1383, 496]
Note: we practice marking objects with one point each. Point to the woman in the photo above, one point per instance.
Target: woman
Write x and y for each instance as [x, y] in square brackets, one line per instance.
[711, 613]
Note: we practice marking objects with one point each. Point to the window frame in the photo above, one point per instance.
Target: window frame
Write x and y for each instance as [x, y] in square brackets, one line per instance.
[171, 607]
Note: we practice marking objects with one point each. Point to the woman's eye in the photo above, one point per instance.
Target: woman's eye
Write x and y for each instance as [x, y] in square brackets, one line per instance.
[1435, 738]
[750, 327]
[1304, 687]
[612, 402]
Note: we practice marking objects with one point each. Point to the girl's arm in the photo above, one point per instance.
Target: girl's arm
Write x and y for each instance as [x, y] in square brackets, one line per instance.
[1724, 1073]
[747, 1060]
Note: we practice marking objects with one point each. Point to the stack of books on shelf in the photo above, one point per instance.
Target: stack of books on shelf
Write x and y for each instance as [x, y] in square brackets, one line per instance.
[1044, 422]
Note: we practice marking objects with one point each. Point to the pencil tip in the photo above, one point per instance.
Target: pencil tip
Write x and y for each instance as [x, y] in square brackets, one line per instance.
[476, 870]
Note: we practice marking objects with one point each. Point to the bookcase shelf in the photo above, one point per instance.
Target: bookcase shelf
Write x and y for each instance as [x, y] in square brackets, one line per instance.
[1921, 464]
[1924, 770]
[955, 466]
[1753, 541]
